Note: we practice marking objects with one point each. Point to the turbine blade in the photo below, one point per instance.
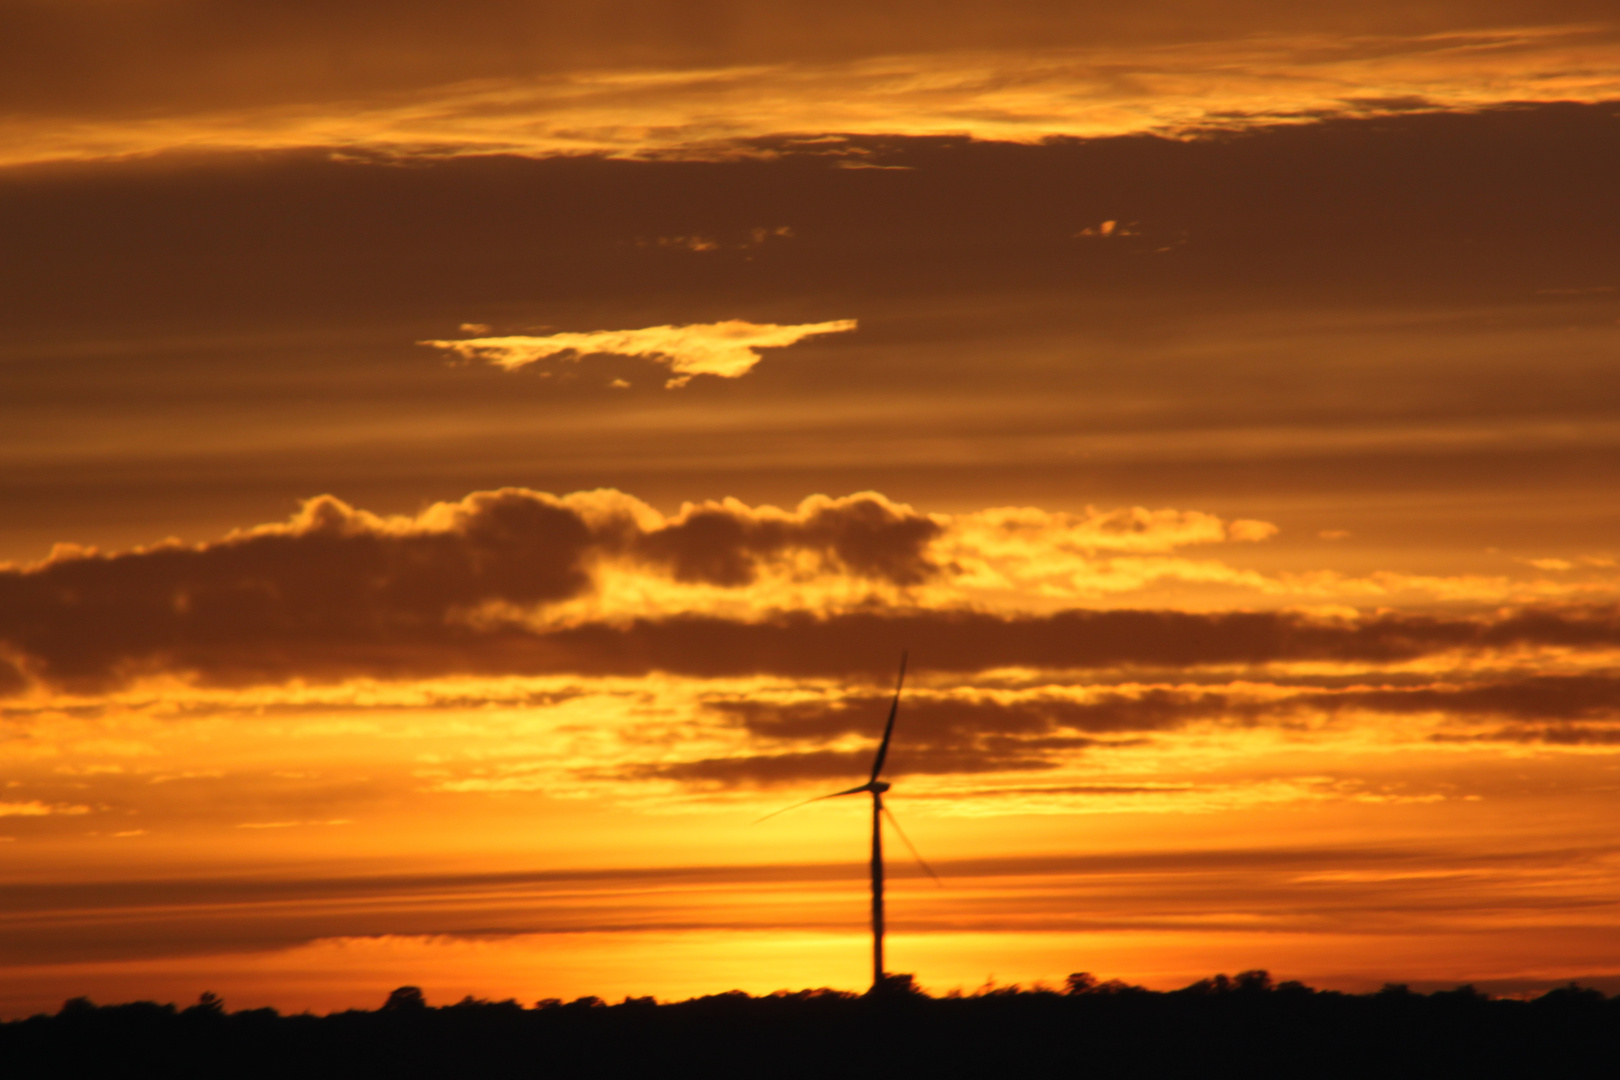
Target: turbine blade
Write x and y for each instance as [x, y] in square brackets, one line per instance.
[888, 730]
[807, 802]
[912, 847]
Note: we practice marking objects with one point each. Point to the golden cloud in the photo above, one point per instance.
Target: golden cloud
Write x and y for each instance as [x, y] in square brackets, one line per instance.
[726, 349]
[35, 808]
[690, 107]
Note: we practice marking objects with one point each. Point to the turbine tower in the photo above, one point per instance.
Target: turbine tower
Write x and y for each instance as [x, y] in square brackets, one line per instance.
[877, 787]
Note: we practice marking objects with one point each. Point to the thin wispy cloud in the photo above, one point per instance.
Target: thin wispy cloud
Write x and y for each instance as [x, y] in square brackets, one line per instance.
[35, 808]
[728, 349]
[699, 106]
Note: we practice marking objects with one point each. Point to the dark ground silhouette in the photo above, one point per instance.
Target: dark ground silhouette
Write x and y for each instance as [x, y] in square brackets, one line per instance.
[1220, 1026]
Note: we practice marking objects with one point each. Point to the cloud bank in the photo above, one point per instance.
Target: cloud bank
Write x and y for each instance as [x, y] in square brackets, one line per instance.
[973, 730]
[567, 83]
[726, 349]
[334, 577]
[598, 583]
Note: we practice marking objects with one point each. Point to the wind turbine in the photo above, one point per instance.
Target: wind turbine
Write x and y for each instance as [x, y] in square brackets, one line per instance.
[877, 787]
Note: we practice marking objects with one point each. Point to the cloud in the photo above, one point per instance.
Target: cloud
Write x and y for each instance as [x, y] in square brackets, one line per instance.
[945, 735]
[1134, 530]
[727, 349]
[35, 808]
[566, 81]
[1548, 697]
[1547, 734]
[771, 770]
[391, 592]
[723, 542]
[1275, 887]
[942, 720]
[970, 731]
[664, 738]
[290, 824]
[598, 583]
[1030, 551]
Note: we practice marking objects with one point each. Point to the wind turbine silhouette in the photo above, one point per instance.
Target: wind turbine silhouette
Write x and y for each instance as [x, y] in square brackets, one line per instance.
[877, 787]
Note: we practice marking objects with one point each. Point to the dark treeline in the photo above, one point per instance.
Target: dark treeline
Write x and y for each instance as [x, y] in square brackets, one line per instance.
[1220, 1026]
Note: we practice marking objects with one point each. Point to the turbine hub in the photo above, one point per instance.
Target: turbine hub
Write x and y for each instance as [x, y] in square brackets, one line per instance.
[880, 786]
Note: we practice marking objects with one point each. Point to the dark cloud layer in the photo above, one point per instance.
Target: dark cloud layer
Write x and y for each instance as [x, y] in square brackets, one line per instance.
[965, 750]
[1566, 697]
[978, 735]
[945, 721]
[1446, 204]
[960, 642]
[837, 767]
[1555, 734]
[337, 594]
[395, 596]
[942, 735]
[863, 536]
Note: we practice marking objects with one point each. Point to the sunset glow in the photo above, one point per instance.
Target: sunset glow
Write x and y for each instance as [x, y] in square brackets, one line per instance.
[463, 465]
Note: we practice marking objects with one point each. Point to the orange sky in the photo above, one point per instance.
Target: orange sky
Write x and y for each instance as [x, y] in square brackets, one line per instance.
[460, 465]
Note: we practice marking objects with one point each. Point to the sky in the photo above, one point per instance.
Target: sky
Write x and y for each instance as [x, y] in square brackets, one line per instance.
[461, 465]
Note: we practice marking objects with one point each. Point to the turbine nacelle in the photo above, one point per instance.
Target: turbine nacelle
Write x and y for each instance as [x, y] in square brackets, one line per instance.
[876, 787]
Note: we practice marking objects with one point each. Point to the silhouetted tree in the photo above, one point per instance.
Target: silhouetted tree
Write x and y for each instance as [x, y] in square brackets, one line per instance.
[404, 999]
[1254, 982]
[209, 1004]
[1081, 982]
[896, 986]
[1217, 1025]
